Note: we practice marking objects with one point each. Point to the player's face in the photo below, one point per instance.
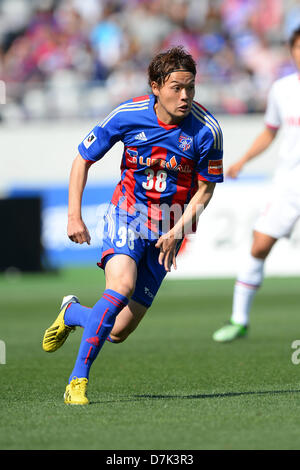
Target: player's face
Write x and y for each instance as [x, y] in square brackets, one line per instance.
[296, 52]
[174, 98]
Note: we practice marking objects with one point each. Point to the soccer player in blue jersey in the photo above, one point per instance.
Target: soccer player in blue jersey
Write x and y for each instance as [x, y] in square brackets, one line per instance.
[171, 161]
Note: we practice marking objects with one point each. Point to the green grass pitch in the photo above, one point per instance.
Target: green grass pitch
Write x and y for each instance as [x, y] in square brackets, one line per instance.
[169, 386]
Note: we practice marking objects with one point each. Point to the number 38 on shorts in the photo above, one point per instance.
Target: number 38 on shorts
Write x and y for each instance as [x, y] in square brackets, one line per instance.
[126, 236]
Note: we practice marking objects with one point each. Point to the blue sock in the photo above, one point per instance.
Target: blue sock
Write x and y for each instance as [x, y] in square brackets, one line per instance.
[99, 325]
[77, 315]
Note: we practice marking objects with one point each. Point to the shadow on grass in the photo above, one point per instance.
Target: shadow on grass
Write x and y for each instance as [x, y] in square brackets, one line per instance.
[197, 396]
[219, 395]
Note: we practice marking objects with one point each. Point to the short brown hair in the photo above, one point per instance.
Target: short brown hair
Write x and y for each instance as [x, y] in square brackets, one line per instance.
[170, 61]
[295, 35]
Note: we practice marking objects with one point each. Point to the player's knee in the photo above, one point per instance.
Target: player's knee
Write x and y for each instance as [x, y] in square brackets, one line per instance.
[123, 285]
[127, 286]
[262, 245]
[120, 275]
[260, 251]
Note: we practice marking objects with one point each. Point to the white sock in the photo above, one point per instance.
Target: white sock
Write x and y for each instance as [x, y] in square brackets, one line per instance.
[246, 286]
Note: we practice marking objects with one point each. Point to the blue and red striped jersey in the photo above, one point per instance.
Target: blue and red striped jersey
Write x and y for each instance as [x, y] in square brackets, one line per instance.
[161, 163]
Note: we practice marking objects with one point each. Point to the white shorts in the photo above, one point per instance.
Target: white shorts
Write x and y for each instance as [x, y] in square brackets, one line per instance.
[279, 215]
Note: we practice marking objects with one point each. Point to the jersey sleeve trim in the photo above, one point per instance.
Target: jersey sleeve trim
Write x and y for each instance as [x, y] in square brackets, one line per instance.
[201, 178]
[82, 152]
[272, 127]
[211, 179]
[209, 121]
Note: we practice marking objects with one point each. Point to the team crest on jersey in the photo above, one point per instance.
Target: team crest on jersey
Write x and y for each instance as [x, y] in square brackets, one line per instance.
[185, 142]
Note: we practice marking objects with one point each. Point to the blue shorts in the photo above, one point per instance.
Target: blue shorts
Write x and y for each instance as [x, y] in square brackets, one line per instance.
[120, 237]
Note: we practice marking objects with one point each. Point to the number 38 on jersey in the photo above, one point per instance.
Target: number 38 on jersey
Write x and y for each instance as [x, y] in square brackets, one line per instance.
[155, 180]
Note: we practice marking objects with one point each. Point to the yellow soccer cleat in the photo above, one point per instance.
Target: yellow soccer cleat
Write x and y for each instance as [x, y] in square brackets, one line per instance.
[75, 393]
[57, 333]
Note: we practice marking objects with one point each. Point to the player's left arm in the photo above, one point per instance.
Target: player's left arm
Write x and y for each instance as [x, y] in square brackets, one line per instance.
[209, 170]
[168, 242]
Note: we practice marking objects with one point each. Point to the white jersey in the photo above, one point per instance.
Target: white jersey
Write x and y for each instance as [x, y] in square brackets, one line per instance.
[283, 111]
[282, 210]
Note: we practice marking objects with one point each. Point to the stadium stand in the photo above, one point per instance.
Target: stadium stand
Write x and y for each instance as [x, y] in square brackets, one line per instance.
[68, 58]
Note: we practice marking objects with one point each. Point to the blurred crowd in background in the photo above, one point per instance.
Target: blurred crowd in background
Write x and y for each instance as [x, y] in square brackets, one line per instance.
[80, 58]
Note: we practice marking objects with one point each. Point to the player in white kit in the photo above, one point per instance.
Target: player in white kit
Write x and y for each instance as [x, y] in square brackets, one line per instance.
[283, 207]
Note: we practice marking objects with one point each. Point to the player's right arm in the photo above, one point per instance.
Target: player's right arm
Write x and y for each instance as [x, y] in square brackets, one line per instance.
[91, 149]
[77, 230]
[261, 143]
